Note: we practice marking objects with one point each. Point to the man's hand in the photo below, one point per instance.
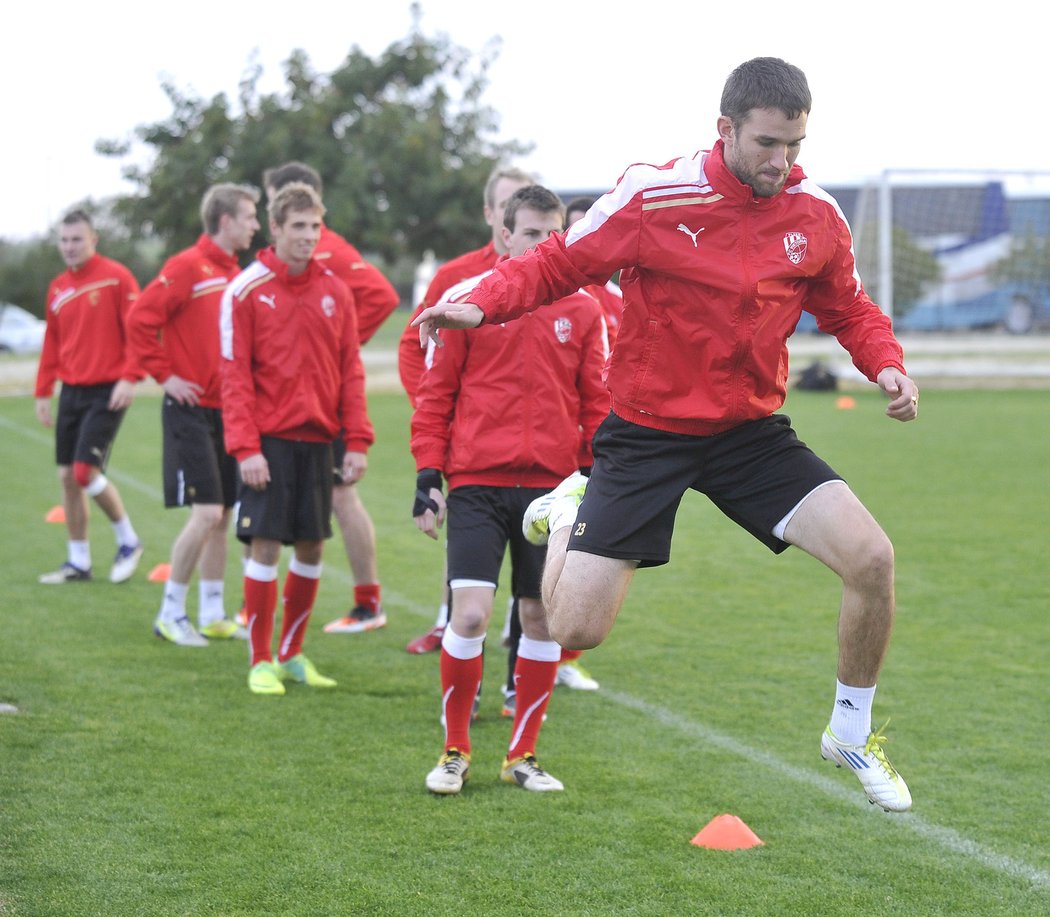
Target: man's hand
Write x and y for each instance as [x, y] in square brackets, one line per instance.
[903, 394]
[182, 390]
[355, 464]
[255, 471]
[428, 509]
[43, 411]
[446, 315]
[122, 394]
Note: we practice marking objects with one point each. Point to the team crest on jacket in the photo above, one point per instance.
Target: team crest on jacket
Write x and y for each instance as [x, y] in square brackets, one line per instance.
[328, 306]
[795, 244]
[563, 330]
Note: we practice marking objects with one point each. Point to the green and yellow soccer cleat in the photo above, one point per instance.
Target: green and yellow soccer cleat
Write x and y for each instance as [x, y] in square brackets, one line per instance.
[302, 670]
[264, 679]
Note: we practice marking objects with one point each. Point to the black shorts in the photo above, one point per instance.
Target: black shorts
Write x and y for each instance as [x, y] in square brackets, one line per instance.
[86, 427]
[482, 521]
[755, 473]
[197, 468]
[297, 503]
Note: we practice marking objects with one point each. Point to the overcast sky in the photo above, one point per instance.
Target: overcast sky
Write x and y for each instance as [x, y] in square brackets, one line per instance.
[595, 85]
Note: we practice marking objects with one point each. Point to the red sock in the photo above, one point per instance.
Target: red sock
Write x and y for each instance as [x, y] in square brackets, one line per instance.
[459, 686]
[570, 655]
[299, 595]
[535, 682]
[260, 604]
[367, 595]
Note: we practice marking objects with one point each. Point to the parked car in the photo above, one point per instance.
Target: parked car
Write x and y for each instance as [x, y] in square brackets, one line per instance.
[20, 331]
[1017, 308]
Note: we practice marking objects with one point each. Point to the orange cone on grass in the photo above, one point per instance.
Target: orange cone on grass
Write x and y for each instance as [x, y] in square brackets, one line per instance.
[55, 514]
[726, 832]
[160, 573]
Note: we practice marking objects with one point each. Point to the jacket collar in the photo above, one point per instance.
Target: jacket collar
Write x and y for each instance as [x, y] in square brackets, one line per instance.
[216, 253]
[269, 257]
[730, 186]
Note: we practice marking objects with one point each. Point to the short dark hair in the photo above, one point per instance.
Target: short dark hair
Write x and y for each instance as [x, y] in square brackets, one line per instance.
[765, 82]
[78, 216]
[279, 176]
[579, 203]
[534, 197]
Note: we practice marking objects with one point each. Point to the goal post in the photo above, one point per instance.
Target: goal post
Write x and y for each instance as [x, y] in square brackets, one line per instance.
[947, 250]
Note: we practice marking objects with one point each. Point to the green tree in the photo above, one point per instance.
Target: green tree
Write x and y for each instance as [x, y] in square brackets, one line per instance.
[402, 142]
[915, 270]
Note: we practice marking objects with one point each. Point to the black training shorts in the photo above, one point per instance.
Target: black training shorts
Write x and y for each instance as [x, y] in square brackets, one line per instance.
[197, 467]
[86, 427]
[297, 503]
[755, 473]
[482, 522]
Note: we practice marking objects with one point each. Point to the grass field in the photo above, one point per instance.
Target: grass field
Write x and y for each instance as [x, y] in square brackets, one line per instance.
[141, 778]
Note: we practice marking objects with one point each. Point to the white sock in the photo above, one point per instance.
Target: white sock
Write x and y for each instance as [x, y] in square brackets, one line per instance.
[462, 647]
[851, 715]
[211, 607]
[538, 650]
[173, 605]
[79, 554]
[442, 618]
[124, 532]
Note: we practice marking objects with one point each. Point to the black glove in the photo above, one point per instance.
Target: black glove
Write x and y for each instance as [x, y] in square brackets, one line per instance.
[426, 480]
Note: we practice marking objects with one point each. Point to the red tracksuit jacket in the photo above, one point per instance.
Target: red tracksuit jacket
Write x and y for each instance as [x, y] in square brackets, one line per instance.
[85, 342]
[409, 354]
[291, 364]
[173, 328]
[374, 296]
[517, 404]
[714, 282]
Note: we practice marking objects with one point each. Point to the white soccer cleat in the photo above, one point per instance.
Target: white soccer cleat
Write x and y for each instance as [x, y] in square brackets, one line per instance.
[575, 676]
[125, 562]
[451, 773]
[527, 774]
[535, 525]
[180, 632]
[882, 784]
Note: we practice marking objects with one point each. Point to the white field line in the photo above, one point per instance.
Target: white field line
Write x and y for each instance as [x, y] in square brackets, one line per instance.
[844, 791]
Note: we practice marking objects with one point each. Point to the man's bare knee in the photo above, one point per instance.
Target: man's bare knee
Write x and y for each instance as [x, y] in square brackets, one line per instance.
[872, 564]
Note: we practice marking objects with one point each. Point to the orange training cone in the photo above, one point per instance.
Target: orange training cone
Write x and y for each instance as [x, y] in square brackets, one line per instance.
[726, 832]
[160, 573]
[55, 514]
[845, 403]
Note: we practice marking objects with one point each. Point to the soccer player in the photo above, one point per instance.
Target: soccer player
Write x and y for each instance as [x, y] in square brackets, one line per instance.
[85, 347]
[501, 414]
[720, 252]
[173, 331]
[374, 299]
[291, 380]
[501, 184]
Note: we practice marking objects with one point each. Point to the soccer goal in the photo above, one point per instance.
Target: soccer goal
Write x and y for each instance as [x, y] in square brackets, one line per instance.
[955, 250]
